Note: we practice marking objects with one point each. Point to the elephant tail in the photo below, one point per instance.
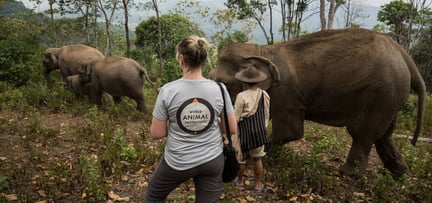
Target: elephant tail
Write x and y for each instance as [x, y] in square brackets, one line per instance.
[144, 72]
[419, 87]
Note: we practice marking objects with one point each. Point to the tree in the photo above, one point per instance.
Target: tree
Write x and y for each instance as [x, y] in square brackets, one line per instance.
[173, 28]
[126, 25]
[396, 14]
[105, 7]
[422, 53]
[254, 9]
[18, 50]
[236, 36]
[159, 34]
[292, 17]
[333, 7]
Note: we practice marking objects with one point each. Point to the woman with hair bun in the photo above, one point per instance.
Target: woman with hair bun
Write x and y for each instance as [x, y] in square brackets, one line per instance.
[186, 113]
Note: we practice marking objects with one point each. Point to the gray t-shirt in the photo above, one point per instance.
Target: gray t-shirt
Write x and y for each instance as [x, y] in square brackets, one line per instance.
[192, 107]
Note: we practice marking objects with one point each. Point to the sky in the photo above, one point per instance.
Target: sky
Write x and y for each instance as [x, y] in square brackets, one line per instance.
[44, 5]
[376, 3]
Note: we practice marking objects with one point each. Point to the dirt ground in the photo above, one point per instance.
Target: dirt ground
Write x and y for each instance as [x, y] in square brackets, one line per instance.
[27, 160]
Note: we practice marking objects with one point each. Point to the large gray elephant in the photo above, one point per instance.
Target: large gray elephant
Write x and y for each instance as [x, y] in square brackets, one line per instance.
[116, 75]
[68, 59]
[353, 78]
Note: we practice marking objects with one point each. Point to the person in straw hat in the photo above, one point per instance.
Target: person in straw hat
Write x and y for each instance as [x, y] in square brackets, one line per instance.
[251, 109]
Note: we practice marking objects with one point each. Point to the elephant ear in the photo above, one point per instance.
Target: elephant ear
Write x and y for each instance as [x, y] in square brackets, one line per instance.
[274, 70]
[84, 72]
[49, 57]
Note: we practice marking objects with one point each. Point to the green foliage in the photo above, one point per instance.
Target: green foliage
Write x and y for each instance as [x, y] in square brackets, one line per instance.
[92, 189]
[421, 53]
[236, 36]
[4, 183]
[395, 13]
[17, 50]
[408, 117]
[174, 28]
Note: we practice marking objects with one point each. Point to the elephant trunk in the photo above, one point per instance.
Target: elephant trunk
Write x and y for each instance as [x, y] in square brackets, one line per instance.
[47, 77]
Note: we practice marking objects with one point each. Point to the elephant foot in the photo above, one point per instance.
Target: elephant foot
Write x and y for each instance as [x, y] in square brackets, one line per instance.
[398, 171]
[351, 171]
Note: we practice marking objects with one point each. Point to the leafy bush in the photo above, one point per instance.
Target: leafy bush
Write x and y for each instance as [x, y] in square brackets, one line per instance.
[17, 53]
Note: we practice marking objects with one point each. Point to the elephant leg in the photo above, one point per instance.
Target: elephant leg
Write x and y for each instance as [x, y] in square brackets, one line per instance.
[364, 133]
[389, 154]
[358, 157]
[141, 106]
[117, 99]
[287, 125]
[140, 102]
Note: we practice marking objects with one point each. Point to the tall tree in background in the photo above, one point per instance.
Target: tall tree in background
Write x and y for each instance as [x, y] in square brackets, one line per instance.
[333, 7]
[254, 9]
[292, 16]
[174, 27]
[53, 27]
[105, 7]
[126, 18]
[352, 11]
[159, 34]
[405, 19]
[88, 10]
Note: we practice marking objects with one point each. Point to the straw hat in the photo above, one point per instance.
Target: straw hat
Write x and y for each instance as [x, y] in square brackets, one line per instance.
[250, 75]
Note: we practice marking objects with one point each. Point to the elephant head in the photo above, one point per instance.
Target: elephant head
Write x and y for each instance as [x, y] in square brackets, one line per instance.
[68, 59]
[50, 63]
[226, 74]
[85, 71]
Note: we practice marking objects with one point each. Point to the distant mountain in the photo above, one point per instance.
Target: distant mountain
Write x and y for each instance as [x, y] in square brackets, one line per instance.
[11, 8]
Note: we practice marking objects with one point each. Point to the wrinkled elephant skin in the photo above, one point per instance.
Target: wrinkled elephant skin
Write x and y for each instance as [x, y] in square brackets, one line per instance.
[68, 59]
[353, 78]
[115, 75]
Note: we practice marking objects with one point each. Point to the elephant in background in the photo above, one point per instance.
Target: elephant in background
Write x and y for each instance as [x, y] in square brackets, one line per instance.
[73, 82]
[353, 78]
[116, 75]
[68, 59]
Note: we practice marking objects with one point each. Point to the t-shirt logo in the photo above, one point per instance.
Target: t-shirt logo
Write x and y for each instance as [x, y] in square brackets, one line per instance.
[195, 115]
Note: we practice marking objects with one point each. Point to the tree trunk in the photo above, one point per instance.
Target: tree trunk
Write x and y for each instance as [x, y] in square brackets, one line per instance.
[159, 45]
[284, 16]
[322, 15]
[108, 25]
[271, 21]
[331, 14]
[53, 26]
[126, 14]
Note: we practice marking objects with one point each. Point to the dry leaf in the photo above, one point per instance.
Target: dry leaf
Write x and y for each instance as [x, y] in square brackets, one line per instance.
[115, 197]
[11, 197]
[359, 194]
[250, 199]
[42, 193]
[2, 158]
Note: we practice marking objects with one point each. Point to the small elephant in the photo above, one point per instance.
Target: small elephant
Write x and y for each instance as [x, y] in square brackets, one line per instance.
[68, 59]
[353, 78]
[116, 75]
[73, 82]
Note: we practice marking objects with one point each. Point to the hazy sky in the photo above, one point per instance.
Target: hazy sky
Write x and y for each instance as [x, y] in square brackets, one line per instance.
[44, 5]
